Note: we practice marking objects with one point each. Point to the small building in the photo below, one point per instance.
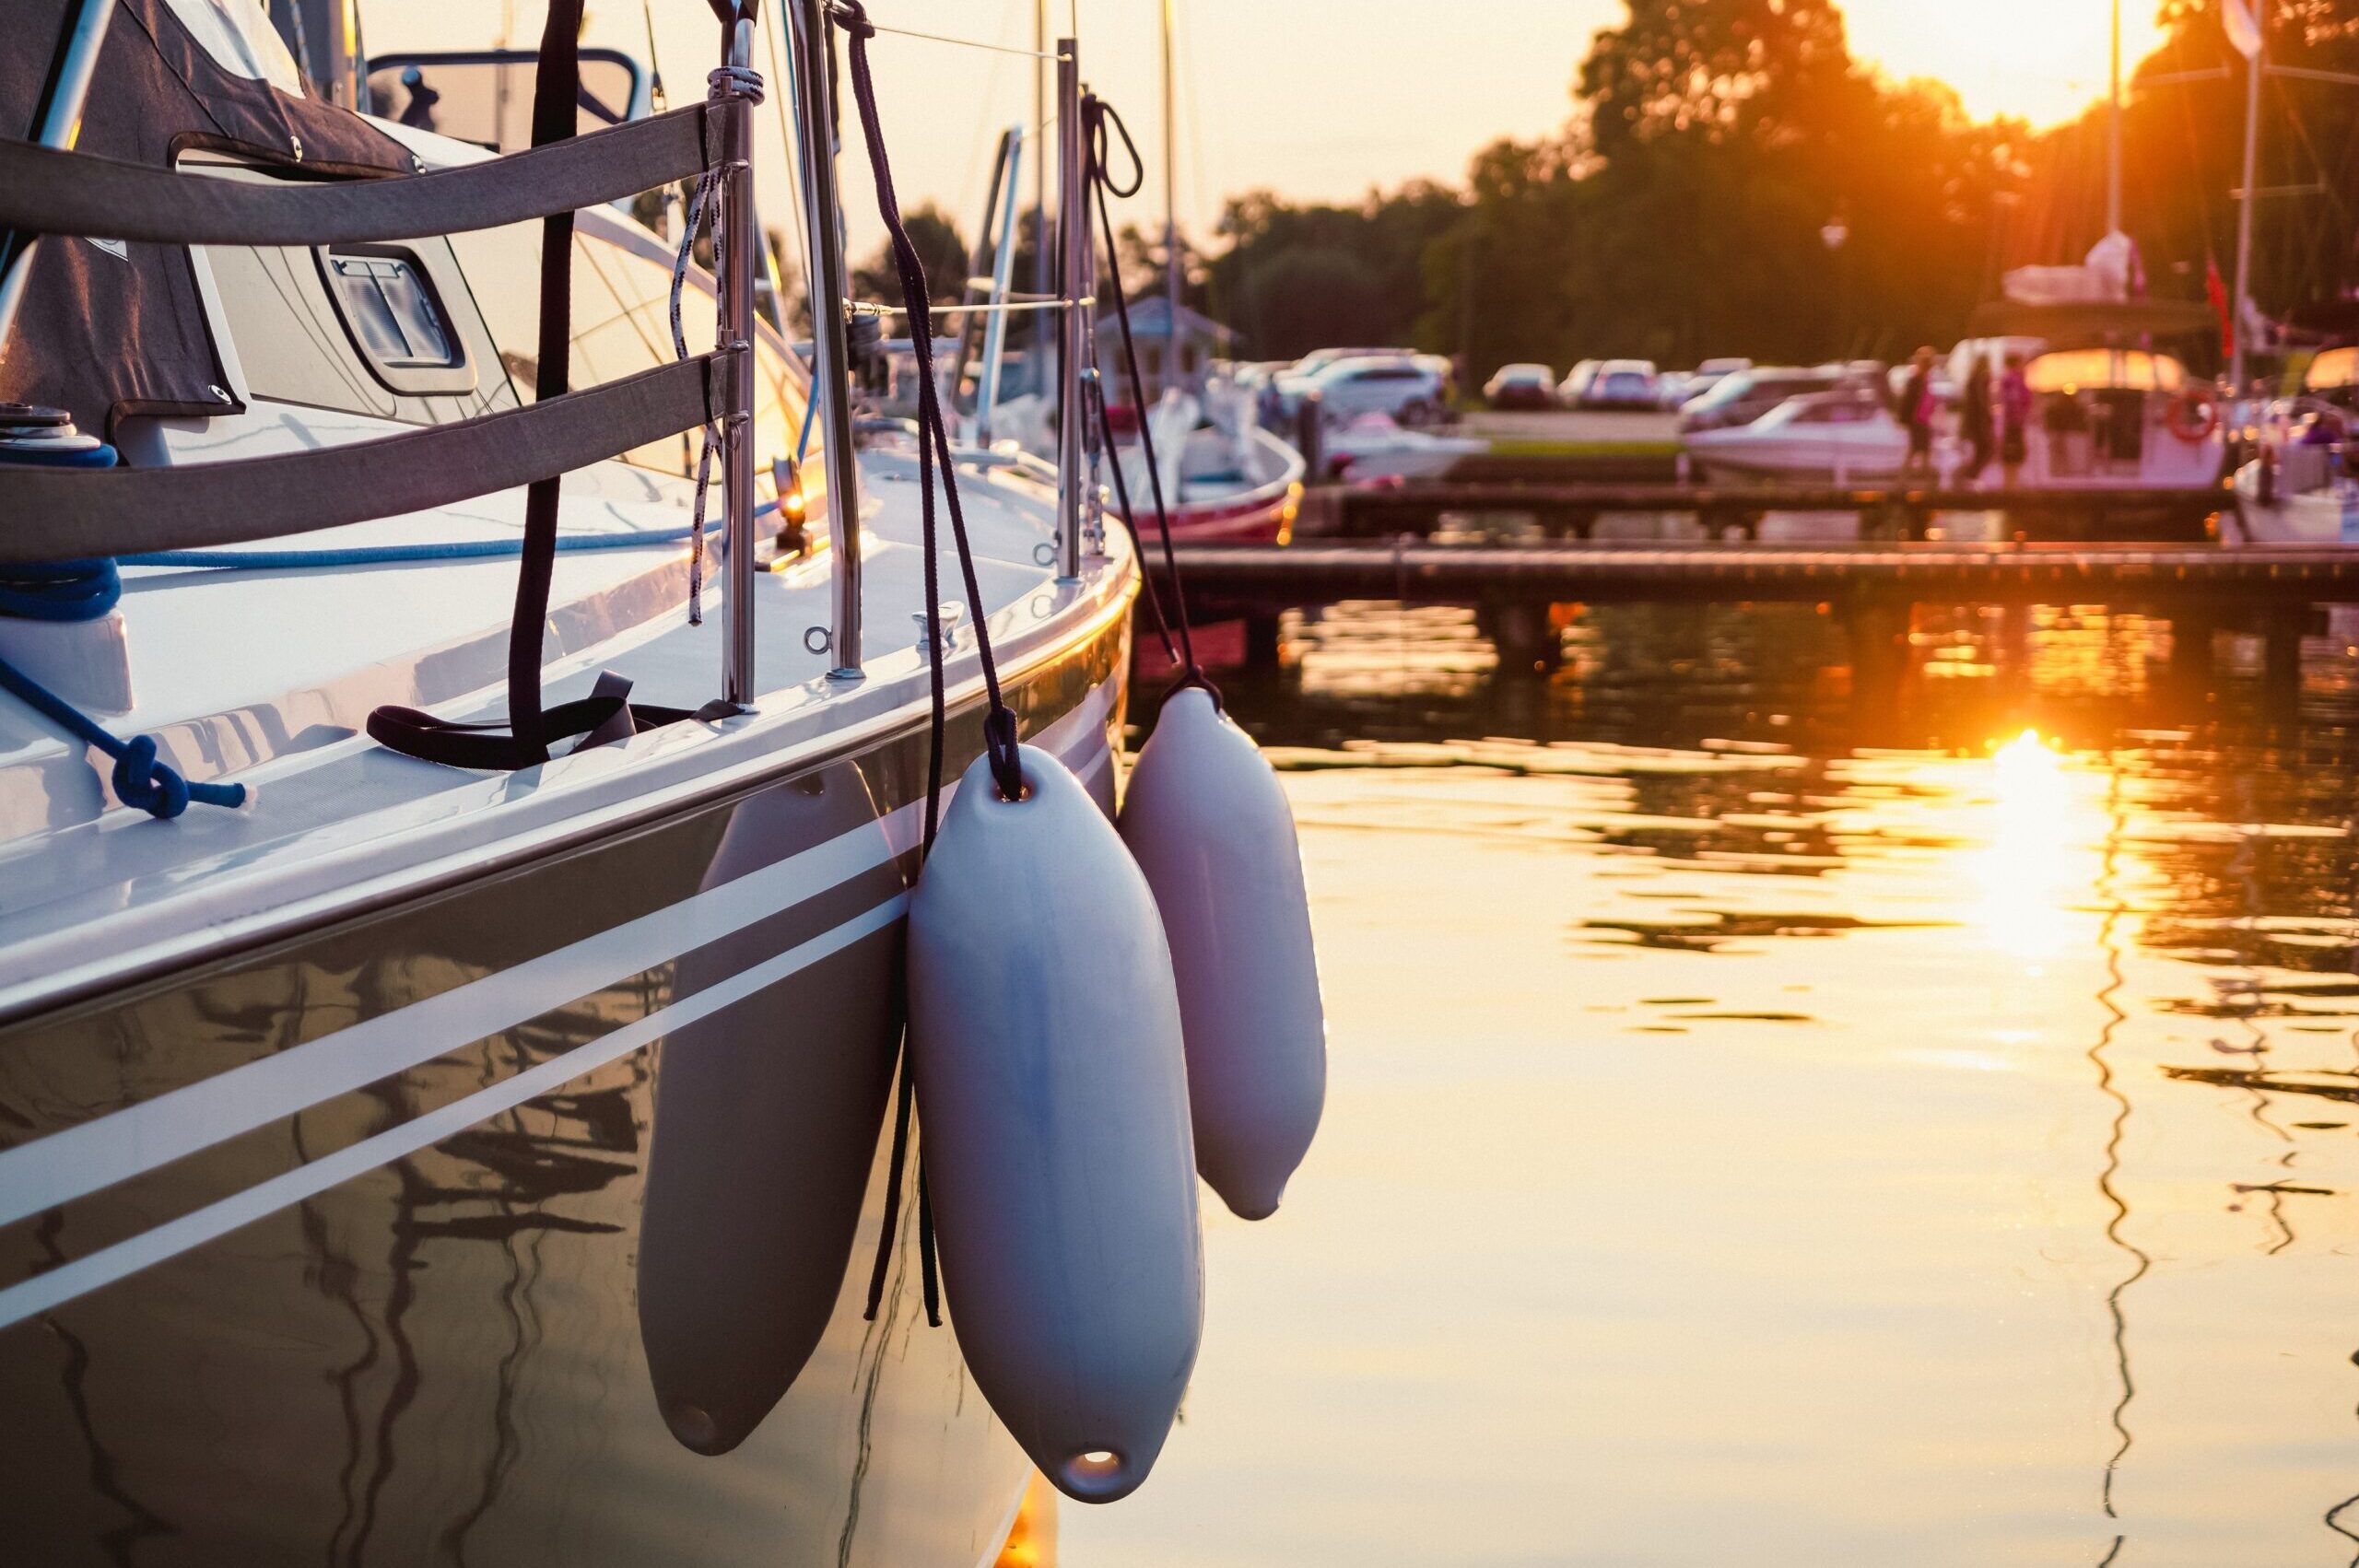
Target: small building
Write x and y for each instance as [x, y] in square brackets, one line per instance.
[1202, 340]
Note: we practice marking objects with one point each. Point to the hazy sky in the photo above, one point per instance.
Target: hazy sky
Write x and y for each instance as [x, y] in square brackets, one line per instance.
[1315, 99]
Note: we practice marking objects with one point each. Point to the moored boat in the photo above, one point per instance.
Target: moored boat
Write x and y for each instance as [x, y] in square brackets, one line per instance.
[329, 1102]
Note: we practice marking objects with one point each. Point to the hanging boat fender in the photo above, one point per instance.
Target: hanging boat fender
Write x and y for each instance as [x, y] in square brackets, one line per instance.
[1053, 1107]
[767, 1118]
[1209, 824]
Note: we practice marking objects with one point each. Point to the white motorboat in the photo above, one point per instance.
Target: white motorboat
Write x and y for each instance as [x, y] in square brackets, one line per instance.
[2299, 490]
[1376, 449]
[328, 1107]
[1225, 478]
[1839, 438]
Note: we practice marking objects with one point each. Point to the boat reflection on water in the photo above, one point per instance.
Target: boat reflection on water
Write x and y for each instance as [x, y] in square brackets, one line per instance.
[1794, 1141]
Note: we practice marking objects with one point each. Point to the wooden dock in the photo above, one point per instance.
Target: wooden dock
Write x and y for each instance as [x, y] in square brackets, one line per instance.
[1271, 577]
[1875, 587]
[1572, 509]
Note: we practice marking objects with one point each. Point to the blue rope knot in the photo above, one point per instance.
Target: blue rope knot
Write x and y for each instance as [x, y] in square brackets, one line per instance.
[157, 789]
[139, 780]
[143, 782]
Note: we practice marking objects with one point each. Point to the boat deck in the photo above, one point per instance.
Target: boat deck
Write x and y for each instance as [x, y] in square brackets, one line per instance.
[267, 676]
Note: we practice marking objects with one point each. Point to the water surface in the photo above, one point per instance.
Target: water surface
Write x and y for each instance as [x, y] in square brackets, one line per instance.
[1756, 1135]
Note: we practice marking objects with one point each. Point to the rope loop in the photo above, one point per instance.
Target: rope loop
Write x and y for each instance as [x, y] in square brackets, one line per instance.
[999, 739]
[853, 17]
[1095, 116]
[1194, 676]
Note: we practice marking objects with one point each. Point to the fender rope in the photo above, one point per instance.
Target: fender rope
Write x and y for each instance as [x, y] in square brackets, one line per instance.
[1096, 115]
[999, 722]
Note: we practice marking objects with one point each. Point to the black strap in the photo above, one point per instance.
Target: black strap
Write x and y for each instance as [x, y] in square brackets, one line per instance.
[73, 514]
[526, 745]
[47, 191]
[605, 716]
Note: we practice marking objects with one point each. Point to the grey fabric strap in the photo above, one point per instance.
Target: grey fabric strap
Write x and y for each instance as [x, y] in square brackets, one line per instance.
[58, 514]
[49, 191]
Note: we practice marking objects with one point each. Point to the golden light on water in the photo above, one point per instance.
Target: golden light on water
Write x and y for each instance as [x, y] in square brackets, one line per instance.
[2043, 60]
[2037, 864]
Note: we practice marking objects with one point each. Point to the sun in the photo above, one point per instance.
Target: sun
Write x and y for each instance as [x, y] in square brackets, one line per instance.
[2043, 60]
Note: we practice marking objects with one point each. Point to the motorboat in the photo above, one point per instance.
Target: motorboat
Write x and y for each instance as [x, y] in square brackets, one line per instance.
[338, 1086]
[1224, 479]
[2107, 412]
[2299, 489]
[1843, 436]
[1376, 449]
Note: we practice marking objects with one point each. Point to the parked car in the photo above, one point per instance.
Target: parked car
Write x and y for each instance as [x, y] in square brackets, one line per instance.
[1742, 398]
[1574, 385]
[1670, 388]
[1521, 386]
[1621, 383]
[1318, 359]
[1409, 389]
[1708, 375]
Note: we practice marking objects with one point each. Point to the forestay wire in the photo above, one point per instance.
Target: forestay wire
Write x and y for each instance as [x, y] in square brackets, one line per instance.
[999, 722]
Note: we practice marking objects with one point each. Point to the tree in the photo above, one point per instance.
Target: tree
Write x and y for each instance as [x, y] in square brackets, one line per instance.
[940, 250]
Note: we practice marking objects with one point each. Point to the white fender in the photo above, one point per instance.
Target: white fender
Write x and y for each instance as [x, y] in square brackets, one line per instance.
[767, 1118]
[1210, 827]
[1053, 1115]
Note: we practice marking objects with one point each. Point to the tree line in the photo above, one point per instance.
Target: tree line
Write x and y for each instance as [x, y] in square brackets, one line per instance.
[1733, 181]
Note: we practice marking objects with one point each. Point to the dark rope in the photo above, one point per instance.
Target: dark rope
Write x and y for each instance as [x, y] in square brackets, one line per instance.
[999, 722]
[1096, 115]
[1094, 391]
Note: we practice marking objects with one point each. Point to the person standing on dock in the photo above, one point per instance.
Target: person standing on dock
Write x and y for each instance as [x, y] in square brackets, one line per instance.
[1916, 406]
[2014, 418]
[1975, 419]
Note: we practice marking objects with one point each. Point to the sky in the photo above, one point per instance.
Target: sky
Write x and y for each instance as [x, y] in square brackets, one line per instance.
[1317, 99]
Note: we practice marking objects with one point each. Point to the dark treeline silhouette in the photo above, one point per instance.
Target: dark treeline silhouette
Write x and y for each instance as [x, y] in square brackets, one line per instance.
[1717, 148]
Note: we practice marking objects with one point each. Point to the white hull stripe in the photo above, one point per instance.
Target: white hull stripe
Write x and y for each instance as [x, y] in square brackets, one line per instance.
[81, 1160]
[62, 1284]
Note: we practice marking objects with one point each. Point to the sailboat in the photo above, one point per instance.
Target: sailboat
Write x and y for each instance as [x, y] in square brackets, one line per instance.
[2112, 407]
[409, 1159]
[1223, 477]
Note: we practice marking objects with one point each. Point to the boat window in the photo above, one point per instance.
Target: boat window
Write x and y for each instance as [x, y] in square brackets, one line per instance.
[394, 315]
[2335, 368]
[486, 95]
[396, 337]
[2071, 369]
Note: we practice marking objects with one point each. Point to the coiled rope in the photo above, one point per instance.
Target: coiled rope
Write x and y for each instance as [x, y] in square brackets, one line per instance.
[71, 592]
[999, 722]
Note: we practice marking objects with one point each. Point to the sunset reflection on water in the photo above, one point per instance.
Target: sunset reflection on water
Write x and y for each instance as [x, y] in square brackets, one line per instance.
[1749, 1144]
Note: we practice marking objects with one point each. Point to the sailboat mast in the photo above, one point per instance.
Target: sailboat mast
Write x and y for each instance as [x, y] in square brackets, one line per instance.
[1171, 270]
[2112, 134]
[1036, 148]
[2240, 311]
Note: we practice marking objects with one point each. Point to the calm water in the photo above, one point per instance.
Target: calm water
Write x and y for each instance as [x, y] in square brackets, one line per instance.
[1747, 1144]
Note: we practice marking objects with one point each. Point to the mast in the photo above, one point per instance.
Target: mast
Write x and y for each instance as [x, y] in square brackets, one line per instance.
[1171, 269]
[1043, 276]
[2239, 311]
[2112, 134]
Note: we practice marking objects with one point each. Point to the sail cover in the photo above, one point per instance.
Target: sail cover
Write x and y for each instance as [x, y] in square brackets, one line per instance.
[108, 329]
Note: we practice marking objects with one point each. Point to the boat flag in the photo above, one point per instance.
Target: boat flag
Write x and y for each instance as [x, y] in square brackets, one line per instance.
[2244, 32]
[2216, 290]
